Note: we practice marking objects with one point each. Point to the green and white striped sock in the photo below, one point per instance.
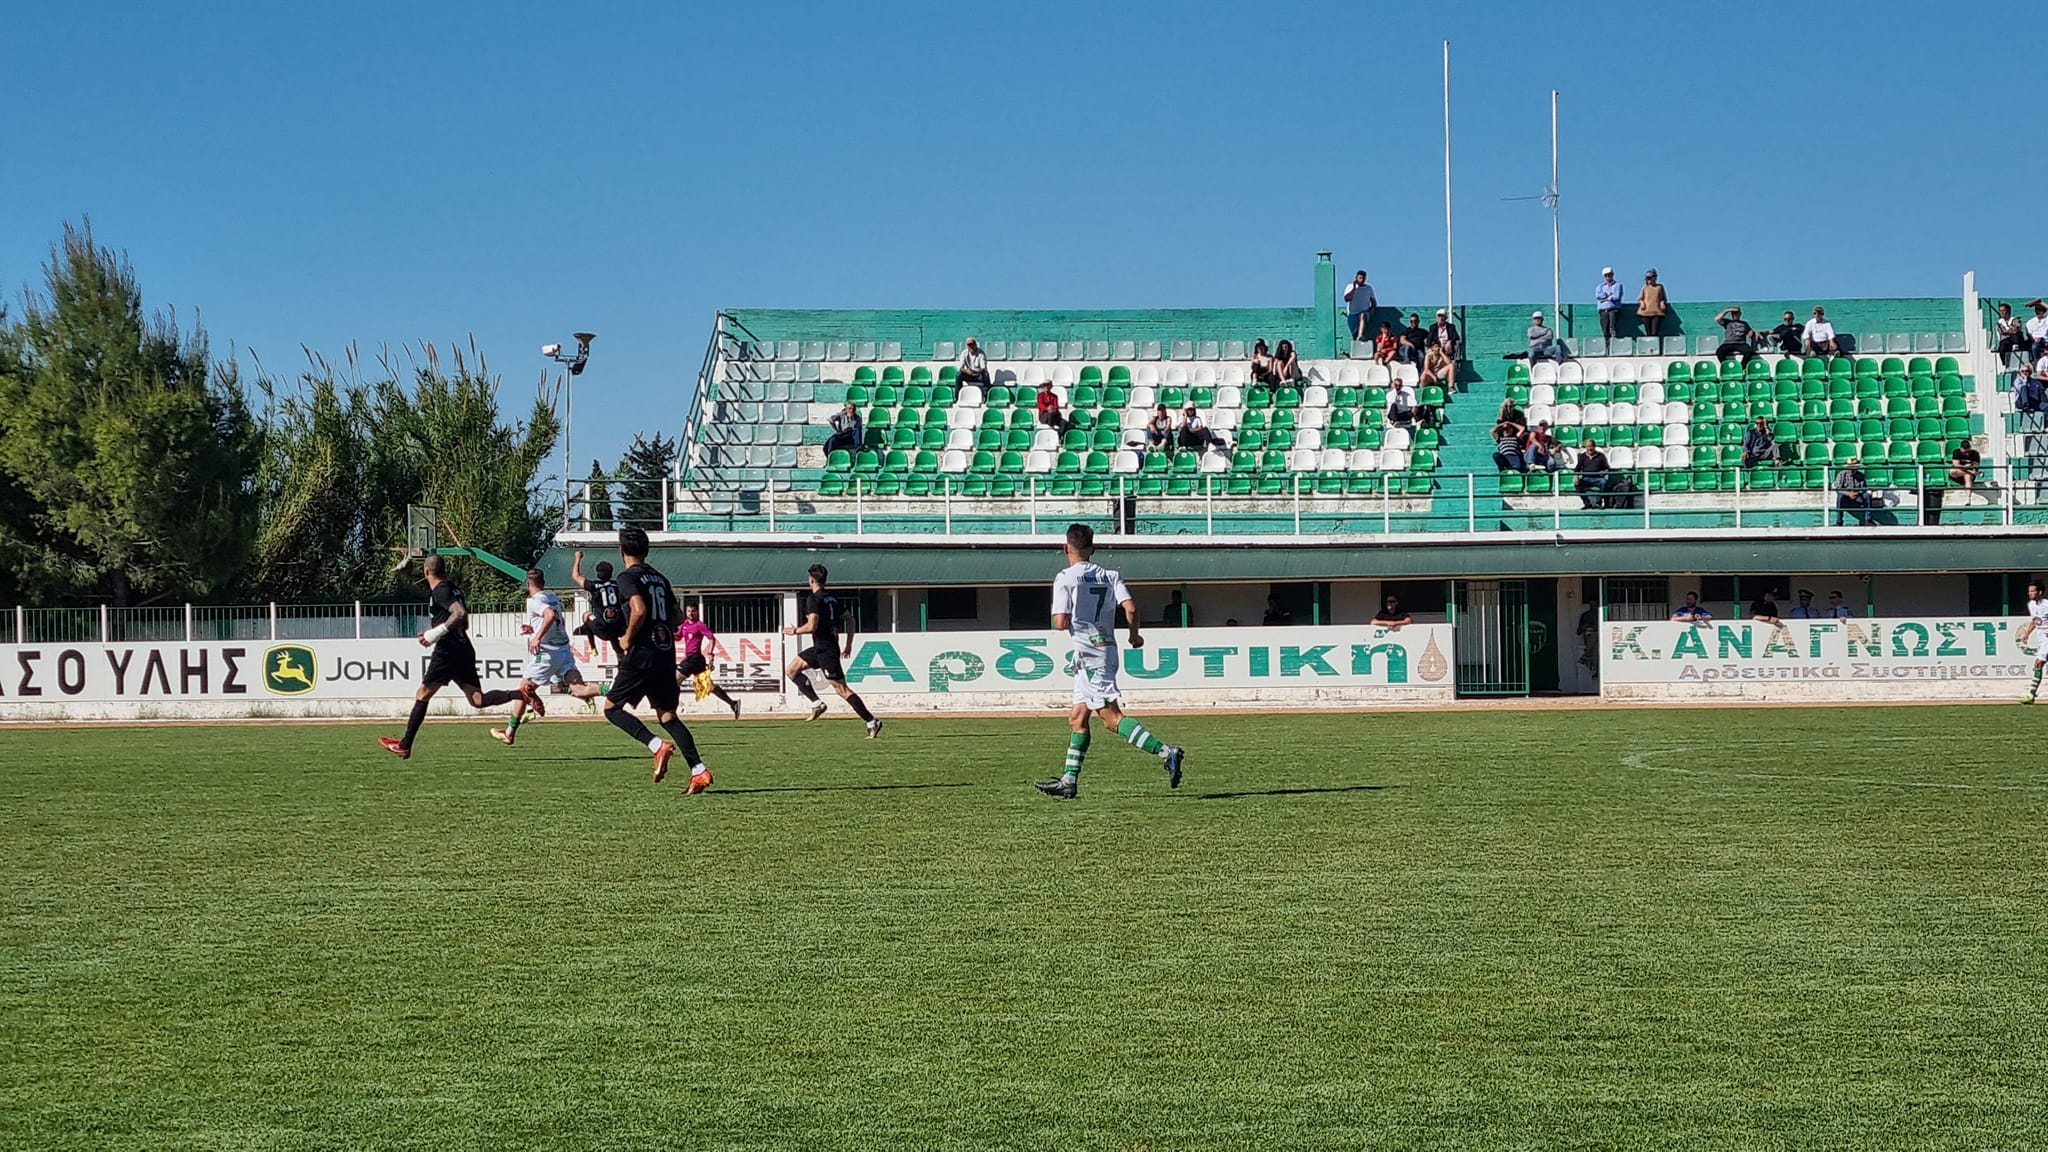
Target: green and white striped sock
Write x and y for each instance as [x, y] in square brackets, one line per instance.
[1077, 751]
[2036, 689]
[1140, 737]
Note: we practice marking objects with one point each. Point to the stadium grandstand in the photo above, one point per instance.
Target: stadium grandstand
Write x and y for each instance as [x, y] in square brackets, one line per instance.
[1311, 503]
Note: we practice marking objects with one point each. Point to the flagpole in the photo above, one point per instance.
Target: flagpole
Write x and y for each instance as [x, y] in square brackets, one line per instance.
[1556, 252]
[1449, 274]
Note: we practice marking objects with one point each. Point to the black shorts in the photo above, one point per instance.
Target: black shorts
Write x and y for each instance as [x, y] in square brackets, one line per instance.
[825, 658]
[453, 662]
[692, 664]
[645, 675]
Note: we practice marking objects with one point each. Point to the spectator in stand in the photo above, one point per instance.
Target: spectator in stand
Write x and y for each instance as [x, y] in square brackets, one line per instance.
[1513, 415]
[2012, 335]
[1759, 446]
[1049, 409]
[1359, 302]
[1542, 449]
[1391, 617]
[1692, 611]
[1438, 367]
[1852, 493]
[1764, 609]
[1789, 335]
[2028, 393]
[1805, 610]
[1444, 335]
[846, 430]
[1543, 342]
[1414, 341]
[1964, 464]
[2037, 328]
[1738, 337]
[1277, 615]
[1192, 431]
[1177, 614]
[1594, 475]
[1652, 305]
[1286, 364]
[1401, 408]
[1159, 430]
[1263, 370]
[1385, 345]
[974, 365]
[1837, 610]
[1820, 335]
[1607, 297]
[1507, 447]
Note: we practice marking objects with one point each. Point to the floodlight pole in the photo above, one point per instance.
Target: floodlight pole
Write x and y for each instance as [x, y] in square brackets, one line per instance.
[1556, 251]
[1449, 276]
[574, 363]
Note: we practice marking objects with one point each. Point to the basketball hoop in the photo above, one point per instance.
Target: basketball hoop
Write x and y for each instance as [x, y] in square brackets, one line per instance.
[422, 535]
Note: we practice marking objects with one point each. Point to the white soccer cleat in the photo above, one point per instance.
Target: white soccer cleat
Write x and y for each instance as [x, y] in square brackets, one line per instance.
[817, 710]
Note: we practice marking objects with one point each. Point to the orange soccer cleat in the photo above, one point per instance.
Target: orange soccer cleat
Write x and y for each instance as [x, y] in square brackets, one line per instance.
[699, 781]
[661, 760]
[395, 746]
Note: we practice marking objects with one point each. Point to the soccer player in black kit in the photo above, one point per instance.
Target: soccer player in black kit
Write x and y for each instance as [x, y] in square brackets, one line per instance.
[823, 623]
[647, 663]
[453, 661]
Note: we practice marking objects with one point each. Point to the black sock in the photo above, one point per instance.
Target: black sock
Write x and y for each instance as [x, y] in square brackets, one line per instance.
[859, 709]
[412, 724]
[803, 685]
[499, 696]
[721, 694]
[630, 724]
[680, 733]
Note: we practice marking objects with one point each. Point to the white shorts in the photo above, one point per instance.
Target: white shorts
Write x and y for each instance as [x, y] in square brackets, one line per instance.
[550, 666]
[1096, 686]
[2041, 643]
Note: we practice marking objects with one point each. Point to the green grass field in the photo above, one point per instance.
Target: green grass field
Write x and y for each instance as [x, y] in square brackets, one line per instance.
[1536, 930]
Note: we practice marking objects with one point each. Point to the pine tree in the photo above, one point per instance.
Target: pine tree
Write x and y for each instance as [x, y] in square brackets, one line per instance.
[597, 501]
[643, 470]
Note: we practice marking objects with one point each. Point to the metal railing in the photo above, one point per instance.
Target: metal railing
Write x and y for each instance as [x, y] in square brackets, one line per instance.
[193, 623]
[1918, 497]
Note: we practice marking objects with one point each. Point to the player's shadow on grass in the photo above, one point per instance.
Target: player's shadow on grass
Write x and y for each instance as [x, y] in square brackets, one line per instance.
[1295, 791]
[842, 788]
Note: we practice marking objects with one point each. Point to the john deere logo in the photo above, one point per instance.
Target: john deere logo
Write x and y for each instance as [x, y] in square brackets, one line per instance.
[290, 670]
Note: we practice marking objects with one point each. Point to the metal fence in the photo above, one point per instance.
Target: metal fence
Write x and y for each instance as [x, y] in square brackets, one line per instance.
[186, 623]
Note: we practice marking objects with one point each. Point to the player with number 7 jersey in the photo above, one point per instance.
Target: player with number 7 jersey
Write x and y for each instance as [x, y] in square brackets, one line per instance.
[1085, 599]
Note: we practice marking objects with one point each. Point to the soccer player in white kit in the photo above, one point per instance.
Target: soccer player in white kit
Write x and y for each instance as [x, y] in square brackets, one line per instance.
[2036, 628]
[549, 659]
[1085, 597]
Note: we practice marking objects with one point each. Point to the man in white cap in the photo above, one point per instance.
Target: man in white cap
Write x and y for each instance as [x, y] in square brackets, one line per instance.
[1607, 295]
[1543, 343]
[1444, 334]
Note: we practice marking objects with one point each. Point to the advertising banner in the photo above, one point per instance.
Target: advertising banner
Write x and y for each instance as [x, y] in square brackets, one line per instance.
[1901, 659]
[1277, 660]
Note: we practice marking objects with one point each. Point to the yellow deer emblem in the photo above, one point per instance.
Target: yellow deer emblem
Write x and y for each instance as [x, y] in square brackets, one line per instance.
[285, 670]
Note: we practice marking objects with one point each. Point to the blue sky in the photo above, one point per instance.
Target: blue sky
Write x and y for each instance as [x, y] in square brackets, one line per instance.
[390, 173]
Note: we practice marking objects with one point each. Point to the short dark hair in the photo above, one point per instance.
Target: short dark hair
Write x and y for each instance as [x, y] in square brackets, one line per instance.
[435, 565]
[1080, 537]
[537, 577]
[633, 541]
[817, 572]
[604, 569]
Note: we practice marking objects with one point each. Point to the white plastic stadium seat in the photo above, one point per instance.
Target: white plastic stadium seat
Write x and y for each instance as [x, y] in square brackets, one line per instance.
[1303, 460]
[1376, 376]
[1393, 459]
[1176, 375]
[1235, 374]
[1213, 461]
[1143, 396]
[1651, 392]
[1204, 376]
[1146, 374]
[1333, 460]
[1309, 438]
[1347, 374]
[1593, 414]
[1677, 434]
[1538, 413]
[1311, 417]
[1542, 372]
[1677, 412]
[1621, 412]
[1648, 370]
[1570, 372]
[1407, 373]
[1623, 372]
[1622, 458]
[1045, 440]
[1568, 414]
[1126, 462]
[953, 460]
[1396, 440]
[1596, 372]
[1677, 456]
[1062, 375]
[959, 439]
[1229, 396]
[1364, 460]
[1542, 394]
[969, 396]
[1649, 412]
[1649, 456]
[1223, 419]
[1315, 396]
[1038, 460]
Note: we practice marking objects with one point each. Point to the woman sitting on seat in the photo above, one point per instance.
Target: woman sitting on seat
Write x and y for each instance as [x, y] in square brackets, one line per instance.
[1263, 369]
[1286, 364]
[1159, 430]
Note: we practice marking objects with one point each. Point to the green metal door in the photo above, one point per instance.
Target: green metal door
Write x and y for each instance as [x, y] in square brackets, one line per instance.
[1543, 635]
[1491, 634]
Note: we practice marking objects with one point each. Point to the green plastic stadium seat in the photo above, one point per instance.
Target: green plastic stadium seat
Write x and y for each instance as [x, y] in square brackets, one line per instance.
[864, 375]
[1512, 483]
[1571, 394]
[1091, 374]
[1787, 369]
[1173, 398]
[1676, 370]
[1116, 395]
[1679, 391]
[1287, 398]
[1120, 374]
